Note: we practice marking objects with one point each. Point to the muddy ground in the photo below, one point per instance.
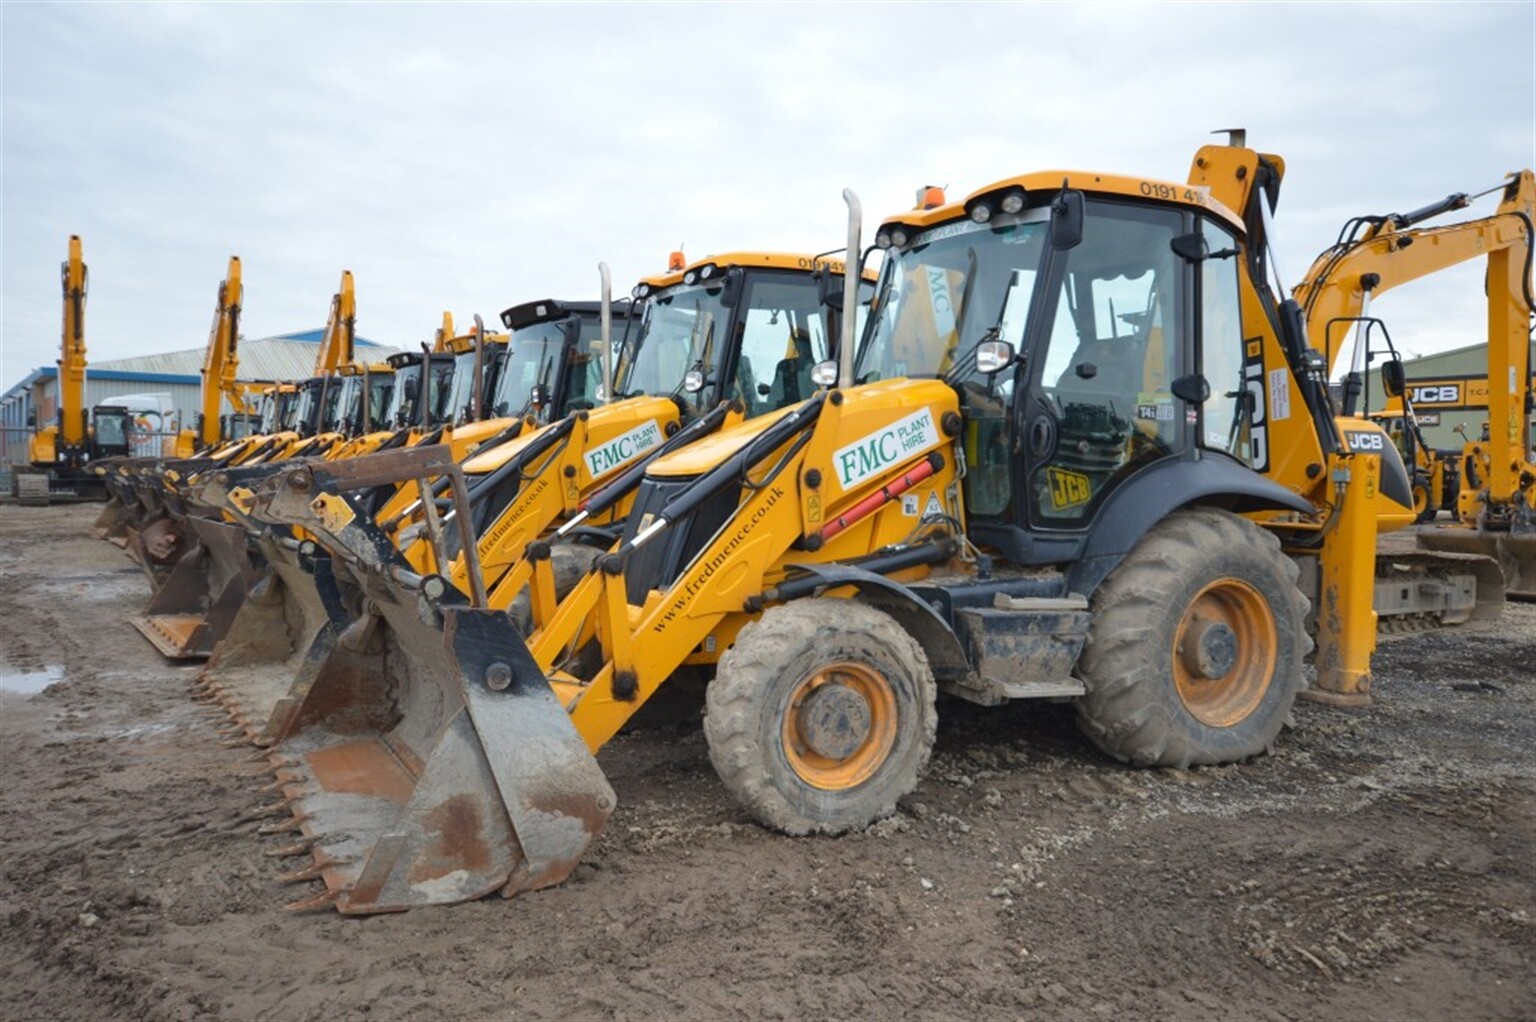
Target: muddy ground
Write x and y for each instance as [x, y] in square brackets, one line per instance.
[1378, 865]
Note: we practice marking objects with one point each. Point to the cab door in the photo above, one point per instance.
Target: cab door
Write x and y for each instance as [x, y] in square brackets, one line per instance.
[1111, 335]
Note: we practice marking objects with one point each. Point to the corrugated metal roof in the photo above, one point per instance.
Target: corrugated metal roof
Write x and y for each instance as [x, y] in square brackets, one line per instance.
[284, 357]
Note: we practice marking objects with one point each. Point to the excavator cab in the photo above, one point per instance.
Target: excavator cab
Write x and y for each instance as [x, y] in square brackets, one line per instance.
[109, 432]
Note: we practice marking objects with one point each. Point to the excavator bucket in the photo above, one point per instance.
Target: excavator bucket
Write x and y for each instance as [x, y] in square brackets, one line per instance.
[115, 513]
[463, 777]
[201, 593]
[1514, 552]
[283, 632]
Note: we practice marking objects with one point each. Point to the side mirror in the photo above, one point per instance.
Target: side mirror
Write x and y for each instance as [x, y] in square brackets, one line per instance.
[539, 395]
[731, 293]
[32, 419]
[993, 356]
[1392, 378]
[1067, 220]
[412, 388]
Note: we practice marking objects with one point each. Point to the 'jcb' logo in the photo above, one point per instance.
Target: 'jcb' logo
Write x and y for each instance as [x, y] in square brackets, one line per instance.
[1369, 442]
[1437, 394]
[1068, 489]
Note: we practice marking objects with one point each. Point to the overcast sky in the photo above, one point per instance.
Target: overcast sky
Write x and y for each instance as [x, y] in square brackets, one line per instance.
[469, 157]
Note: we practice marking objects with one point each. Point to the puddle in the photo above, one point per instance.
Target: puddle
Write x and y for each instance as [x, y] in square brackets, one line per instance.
[28, 683]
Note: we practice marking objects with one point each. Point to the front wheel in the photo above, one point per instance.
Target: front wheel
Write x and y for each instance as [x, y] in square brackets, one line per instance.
[1194, 653]
[821, 716]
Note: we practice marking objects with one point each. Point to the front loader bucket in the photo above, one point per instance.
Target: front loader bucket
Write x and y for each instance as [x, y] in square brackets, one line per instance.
[284, 633]
[1515, 554]
[201, 594]
[448, 772]
[112, 522]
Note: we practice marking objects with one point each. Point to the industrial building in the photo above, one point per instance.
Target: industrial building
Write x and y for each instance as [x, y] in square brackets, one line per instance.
[176, 373]
[1448, 389]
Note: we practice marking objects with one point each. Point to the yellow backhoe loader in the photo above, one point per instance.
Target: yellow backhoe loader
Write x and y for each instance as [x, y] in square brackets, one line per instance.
[729, 335]
[1086, 452]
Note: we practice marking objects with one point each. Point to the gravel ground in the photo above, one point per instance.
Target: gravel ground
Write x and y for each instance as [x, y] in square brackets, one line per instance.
[1378, 865]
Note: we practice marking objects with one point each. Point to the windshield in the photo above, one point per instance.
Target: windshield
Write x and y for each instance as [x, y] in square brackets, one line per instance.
[381, 386]
[401, 410]
[242, 426]
[441, 389]
[335, 391]
[950, 288]
[304, 409]
[681, 328]
[349, 404]
[461, 394]
[111, 428]
[268, 413]
[533, 360]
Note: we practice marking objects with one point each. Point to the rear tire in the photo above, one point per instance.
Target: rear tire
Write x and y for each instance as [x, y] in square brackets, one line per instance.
[1194, 654]
[821, 716]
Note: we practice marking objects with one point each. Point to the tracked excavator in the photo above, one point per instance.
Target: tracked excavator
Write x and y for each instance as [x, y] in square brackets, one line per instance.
[689, 367]
[1496, 499]
[217, 435]
[61, 454]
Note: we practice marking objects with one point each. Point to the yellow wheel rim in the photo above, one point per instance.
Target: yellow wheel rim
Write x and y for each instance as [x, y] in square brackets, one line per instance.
[839, 725]
[1224, 653]
[1420, 499]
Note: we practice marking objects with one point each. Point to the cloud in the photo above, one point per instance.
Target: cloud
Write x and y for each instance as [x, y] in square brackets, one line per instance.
[468, 157]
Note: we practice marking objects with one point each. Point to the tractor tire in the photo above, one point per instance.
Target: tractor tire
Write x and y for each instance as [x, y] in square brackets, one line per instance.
[1424, 510]
[1195, 649]
[821, 716]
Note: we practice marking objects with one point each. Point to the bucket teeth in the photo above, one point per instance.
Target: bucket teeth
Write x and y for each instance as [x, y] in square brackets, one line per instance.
[290, 851]
[293, 825]
[325, 899]
[311, 872]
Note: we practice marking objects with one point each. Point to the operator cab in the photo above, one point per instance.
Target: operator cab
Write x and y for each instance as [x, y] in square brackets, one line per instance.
[768, 304]
[110, 428]
[1090, 336]
[554, 361]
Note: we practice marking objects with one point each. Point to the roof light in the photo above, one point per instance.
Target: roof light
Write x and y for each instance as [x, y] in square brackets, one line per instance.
[705, 272]
[640, 291]
[929, 197]
[883, 239]
[899, 237]
[690, 276]
[676, 262]
[1013, 202]
[981, 212]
